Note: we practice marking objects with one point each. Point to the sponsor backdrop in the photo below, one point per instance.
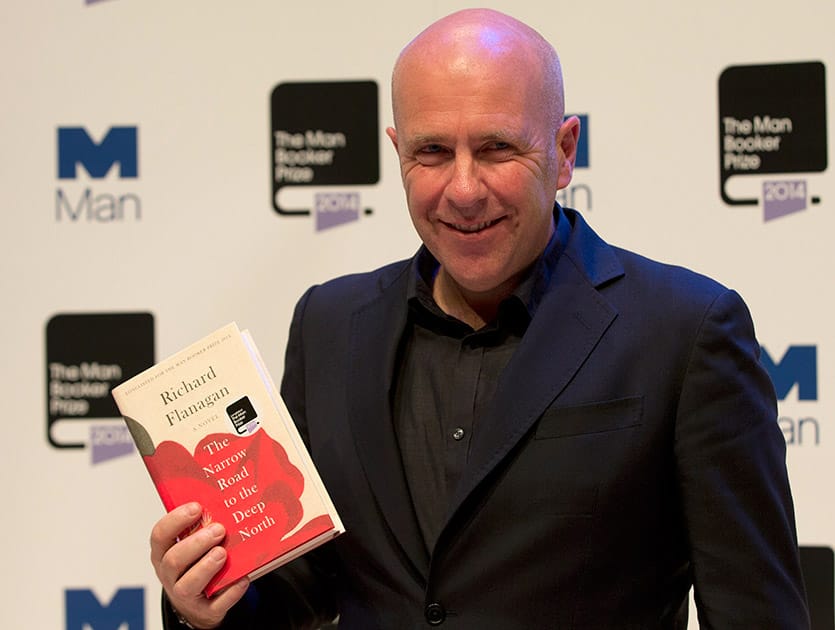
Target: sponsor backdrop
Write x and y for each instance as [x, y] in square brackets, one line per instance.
[169, 167]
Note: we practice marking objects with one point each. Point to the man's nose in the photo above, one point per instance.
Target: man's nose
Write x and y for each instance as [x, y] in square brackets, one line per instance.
[465, 188]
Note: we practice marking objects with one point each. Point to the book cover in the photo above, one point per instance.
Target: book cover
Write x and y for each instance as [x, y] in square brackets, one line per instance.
[211, 427]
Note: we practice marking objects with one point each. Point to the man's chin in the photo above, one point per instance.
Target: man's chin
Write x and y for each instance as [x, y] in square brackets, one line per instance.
[479, 280]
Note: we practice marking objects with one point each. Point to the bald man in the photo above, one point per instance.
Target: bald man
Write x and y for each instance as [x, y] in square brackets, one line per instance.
[521, 426]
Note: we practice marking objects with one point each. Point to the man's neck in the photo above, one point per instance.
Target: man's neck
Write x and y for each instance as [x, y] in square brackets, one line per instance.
[476, 309]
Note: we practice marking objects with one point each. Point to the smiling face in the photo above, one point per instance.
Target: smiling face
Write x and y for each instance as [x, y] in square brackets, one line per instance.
[481, 153]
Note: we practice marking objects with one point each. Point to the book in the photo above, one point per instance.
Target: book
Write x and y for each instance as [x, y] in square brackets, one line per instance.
[211, 427]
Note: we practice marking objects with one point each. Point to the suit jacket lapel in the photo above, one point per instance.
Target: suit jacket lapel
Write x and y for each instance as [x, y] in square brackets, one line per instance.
[568, 324]
[376, 330]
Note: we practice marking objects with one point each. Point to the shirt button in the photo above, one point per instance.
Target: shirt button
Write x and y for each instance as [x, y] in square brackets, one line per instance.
[435, 614]
[458, 433]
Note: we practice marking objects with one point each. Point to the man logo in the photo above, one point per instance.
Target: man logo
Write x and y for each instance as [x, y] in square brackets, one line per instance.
[119, 145]
[796, 371]
[799, 366]
[577, 195]
[582, 160]
[126, 611]
[79, 202]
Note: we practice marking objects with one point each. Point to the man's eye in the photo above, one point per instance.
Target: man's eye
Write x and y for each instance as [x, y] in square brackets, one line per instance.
[499, 146]
[432, 154]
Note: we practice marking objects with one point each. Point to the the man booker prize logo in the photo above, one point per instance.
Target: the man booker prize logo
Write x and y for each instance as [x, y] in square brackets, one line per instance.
[772, 119]
[324, 134]
[81, 158]
[818, 564]
[87, 354]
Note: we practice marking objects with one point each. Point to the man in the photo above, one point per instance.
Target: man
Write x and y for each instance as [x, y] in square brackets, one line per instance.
[522, 427]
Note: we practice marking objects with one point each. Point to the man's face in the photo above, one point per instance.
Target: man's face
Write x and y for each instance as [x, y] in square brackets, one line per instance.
[481, 163]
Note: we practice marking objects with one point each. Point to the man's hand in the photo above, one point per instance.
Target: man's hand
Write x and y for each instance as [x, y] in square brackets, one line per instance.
[185, 567]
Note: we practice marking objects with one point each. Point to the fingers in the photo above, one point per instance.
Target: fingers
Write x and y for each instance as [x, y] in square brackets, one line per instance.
[189, 558]
[185, 567]
[190, 564]
[208, 613]
[228, 597]
[186, 595]
[165, 532]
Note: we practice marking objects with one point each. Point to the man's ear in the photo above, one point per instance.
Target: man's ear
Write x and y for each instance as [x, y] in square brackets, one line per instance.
[567, 137]
[391, 132]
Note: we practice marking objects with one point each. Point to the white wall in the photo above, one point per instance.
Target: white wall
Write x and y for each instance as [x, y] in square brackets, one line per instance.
[195, 78]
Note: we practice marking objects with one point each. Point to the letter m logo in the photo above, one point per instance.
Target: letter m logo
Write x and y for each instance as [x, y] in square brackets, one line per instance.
[126, 611]
[75, 146]
[799, 366]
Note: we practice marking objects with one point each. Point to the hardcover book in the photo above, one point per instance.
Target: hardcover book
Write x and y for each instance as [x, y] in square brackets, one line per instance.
[211, 427]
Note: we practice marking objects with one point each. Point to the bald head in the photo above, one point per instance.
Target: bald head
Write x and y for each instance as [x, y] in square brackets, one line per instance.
[483, 150]
[477, 42]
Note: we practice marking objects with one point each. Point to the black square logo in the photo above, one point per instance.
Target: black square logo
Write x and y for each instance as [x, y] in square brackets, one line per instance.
[819, 574]
[324, 134]
[86, 356]
[242, 413]
[772, 119]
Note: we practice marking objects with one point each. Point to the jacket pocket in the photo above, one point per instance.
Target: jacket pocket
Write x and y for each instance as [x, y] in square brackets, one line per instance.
[589, 418]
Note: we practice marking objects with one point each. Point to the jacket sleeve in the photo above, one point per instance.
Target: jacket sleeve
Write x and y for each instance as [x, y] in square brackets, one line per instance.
[730, 457]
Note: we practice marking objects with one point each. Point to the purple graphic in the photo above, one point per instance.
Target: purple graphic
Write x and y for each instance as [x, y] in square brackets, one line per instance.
[783, 197]
[109, 442]
[334, 209]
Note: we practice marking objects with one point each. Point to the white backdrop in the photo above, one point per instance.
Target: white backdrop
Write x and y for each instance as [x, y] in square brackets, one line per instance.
[206, 246]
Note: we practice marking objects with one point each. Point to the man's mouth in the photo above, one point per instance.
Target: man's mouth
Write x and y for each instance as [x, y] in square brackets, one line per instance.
[471, 228]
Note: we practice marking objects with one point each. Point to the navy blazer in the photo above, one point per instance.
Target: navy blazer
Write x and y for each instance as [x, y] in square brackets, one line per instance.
[631, 451]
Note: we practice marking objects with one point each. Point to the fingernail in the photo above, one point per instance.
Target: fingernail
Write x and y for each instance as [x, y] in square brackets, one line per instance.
[216, 529]
[217, 554]
[192, 509]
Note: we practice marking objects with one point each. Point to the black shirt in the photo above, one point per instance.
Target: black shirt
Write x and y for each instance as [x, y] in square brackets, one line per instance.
[447, 376]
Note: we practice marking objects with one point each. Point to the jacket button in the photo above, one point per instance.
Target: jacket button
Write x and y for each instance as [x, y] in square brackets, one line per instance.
[435, 614]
